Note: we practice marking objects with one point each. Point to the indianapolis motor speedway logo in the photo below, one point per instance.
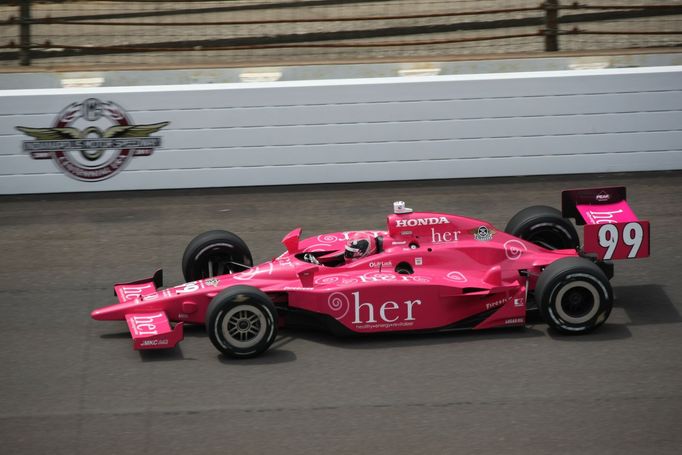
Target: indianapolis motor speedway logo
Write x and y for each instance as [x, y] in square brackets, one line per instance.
[92, 140]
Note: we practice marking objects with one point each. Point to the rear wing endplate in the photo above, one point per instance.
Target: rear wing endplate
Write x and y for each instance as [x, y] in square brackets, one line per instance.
[612, 230]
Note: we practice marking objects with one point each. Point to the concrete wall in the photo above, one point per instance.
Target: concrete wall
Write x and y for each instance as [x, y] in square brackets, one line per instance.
[399, 128]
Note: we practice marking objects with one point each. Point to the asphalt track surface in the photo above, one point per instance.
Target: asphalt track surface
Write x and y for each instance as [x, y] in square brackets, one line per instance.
[71, 385]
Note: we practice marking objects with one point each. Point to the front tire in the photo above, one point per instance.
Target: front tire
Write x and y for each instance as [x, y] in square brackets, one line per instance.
[574, 295]
[215, 253]
[543, 226]
[241, 322]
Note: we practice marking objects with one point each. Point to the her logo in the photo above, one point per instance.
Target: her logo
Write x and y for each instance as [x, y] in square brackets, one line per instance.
[367, 312]
[389, 311]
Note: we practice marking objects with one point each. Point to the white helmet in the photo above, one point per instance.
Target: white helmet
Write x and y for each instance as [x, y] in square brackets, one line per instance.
[359, 245]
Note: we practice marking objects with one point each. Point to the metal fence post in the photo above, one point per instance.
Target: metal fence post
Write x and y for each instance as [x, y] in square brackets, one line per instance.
[551, 25]
[25, 32]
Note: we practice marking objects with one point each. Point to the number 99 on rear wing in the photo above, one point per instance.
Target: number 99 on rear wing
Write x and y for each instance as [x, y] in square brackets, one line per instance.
[612, 230]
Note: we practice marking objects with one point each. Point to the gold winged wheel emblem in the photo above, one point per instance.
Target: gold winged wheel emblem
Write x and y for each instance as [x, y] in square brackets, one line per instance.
[116, 131]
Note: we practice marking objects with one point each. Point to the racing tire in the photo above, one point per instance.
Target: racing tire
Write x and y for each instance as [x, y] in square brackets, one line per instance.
[574, 295]
[543, 226]
[241, 322]
[215, 253]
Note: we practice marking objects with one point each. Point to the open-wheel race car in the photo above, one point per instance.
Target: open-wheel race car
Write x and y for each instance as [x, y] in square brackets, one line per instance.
[426, 272]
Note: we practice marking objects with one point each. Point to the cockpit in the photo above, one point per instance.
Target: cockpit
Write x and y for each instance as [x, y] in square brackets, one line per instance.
[360, 245]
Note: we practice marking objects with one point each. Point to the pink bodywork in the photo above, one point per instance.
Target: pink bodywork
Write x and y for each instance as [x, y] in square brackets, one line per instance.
[467, 274]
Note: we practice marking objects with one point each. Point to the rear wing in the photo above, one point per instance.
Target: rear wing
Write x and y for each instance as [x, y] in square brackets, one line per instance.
[612, 230]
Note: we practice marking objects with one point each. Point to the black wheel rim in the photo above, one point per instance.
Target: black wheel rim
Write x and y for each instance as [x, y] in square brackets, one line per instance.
[577, 302]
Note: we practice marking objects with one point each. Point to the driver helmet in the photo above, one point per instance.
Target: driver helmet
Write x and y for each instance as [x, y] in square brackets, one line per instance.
[359, 245]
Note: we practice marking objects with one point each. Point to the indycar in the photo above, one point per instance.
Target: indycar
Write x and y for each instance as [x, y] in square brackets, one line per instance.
[425, 272]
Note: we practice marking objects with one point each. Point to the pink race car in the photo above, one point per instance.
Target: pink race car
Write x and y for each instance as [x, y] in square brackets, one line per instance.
[426, 272]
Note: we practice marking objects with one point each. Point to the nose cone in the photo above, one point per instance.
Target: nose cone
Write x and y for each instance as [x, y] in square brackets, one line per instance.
[111, 313]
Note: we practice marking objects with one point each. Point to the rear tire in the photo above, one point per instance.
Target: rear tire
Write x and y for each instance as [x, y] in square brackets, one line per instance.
[543, 226]
[215, 253]
[574, 295]
[241, 322]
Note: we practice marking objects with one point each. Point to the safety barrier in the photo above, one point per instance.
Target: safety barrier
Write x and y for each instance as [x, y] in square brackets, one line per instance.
[402, 128]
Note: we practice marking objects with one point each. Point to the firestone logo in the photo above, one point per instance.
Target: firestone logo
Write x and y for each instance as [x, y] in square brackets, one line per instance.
[421, 222]
[497, 303]
[93, 140]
